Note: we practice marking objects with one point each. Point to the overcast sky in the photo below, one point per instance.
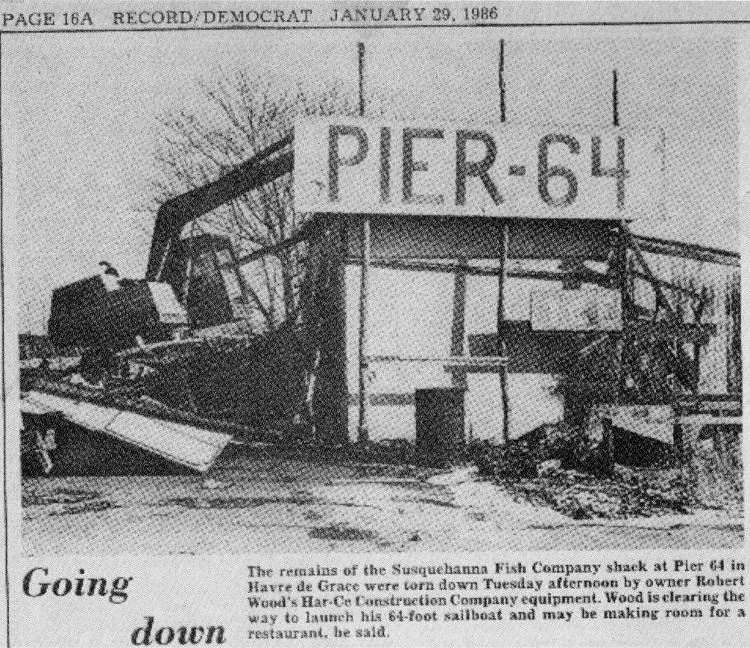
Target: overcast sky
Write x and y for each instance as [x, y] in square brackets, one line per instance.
[83, 109]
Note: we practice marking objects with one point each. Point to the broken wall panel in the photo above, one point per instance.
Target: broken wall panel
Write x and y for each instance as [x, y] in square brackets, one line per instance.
[181, 444]
[720, 357]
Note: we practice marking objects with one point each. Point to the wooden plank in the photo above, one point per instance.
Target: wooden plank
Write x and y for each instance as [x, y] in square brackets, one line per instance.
[713, 409]
[419, 265]
[363, 435]
[364, 283]
[458, 323]
[708, 419]
[535, 351]
[329, 400]
[688, 251]
[621, 274]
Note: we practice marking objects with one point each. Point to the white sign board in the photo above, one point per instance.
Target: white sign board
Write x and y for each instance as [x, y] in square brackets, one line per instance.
[352, 165]
[590, 309]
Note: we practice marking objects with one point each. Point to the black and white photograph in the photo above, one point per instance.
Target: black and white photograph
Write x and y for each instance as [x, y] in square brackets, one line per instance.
[374, 324]
[399, 293]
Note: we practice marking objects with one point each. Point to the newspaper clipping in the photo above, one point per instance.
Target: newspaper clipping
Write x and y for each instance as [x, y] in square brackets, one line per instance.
[373, 324]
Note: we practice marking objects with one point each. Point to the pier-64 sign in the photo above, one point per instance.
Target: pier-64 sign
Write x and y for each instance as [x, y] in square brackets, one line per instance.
[363, 166]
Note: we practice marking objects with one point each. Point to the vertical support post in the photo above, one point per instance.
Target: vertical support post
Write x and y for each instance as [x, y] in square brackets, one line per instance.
[458, 326]
[678, 437]
[608, 447]
[364, 286]
[691, 466]
[696, 366]
[502, 346]
[363, 433]
[501, 79]
[621, 259]
[332, 388]
[621, 262]
[188, 271]
[618, 393]
[502, 274]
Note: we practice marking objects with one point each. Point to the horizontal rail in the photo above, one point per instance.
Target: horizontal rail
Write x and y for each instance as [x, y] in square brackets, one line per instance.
[707, 419]
[688, 251]
[589, 276]
[449, 360]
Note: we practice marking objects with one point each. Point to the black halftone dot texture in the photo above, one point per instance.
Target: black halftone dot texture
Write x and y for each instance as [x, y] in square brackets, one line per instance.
[686, 87]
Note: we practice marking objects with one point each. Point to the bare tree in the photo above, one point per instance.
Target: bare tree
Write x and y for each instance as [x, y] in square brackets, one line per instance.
[240, 114]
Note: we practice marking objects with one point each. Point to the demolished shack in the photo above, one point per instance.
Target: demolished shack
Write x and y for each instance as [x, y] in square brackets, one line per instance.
[444, 296]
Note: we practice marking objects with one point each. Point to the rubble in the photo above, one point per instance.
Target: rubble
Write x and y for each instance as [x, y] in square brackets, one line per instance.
[560, 467]
[629, 493]
[549, 467]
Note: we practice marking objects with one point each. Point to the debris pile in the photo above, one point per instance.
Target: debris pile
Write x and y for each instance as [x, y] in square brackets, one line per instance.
[561, 467]
[629, 493]
[569, 447]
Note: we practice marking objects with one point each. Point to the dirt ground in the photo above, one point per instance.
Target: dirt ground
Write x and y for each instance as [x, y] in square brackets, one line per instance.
[251, 501]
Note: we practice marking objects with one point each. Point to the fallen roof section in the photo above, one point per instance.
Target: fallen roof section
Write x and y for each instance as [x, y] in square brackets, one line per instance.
[186, 445]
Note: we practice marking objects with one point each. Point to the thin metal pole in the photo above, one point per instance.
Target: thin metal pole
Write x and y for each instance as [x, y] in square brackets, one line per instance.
[502, 347]
[364, 360]
[363, 434]
[501, 277]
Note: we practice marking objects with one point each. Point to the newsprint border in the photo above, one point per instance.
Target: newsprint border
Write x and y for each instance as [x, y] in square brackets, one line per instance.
[505, 25]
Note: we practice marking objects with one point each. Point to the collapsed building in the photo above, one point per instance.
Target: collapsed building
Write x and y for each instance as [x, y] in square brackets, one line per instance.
[431, 308]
